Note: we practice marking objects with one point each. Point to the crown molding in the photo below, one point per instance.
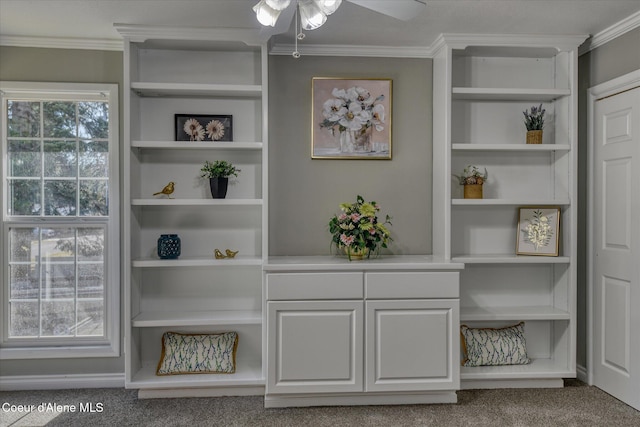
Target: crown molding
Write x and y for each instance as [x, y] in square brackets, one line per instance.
[142, 33]
[61, 43]
[616, 30]
[353, 50]
[462, 41]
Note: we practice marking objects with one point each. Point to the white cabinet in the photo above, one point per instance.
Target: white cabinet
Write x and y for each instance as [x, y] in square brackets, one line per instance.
[482, 84]
[409, 345]
[316, 346]
[377, 332]
[201, 72]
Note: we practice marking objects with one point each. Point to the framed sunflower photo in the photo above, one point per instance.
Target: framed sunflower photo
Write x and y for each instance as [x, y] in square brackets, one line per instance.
[203, 127]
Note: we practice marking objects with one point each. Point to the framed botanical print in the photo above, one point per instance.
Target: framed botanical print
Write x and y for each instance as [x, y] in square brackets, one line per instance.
[538, 231]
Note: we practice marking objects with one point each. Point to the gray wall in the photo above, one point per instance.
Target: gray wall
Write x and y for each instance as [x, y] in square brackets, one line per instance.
[62, 65]
[613, 59]
[304, 193]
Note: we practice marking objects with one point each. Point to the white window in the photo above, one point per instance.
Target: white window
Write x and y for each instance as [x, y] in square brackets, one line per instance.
[60, 234]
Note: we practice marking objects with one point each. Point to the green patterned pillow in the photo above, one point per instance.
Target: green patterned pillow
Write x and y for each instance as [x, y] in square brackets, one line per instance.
[489, 346]
[198, 353]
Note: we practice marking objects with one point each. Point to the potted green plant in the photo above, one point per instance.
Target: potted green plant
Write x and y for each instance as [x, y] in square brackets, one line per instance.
[357, 231]
[534, 122]
[218, 173]
[472, 179]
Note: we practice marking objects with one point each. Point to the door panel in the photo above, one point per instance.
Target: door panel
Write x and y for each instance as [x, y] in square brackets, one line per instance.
[314, 346]
[410, 345]
[616, 246]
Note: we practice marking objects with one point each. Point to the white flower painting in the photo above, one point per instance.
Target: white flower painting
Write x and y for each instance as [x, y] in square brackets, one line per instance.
[351, 118]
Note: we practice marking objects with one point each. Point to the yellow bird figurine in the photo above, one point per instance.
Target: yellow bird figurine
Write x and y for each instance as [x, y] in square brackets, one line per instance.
[231, 254]
[168, 190]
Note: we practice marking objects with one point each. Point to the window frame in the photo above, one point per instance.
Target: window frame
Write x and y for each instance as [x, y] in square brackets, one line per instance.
[37, 348]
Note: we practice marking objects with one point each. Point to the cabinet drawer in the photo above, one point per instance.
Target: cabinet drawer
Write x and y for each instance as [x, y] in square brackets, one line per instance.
[398, 285]
[314, 286]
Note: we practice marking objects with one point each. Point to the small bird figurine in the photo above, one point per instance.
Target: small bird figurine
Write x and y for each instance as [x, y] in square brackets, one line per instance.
[230, 253]
[168, 190]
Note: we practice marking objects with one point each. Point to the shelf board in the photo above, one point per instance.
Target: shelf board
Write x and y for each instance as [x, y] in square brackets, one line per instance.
[510, 202]
[199, 145]
[510, 147]
[247, 374]
[196, 90]
[510, 259]
[508, 94]
[153, 319]
[468, 314]
[239, 261]
[196, 202]
[538, 368]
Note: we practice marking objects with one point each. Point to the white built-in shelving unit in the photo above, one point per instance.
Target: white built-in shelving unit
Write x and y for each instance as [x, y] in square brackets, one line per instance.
[172, 71]
[482, 84]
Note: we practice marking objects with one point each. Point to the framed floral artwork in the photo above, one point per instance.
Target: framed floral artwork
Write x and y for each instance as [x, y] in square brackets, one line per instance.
[201, 127]
[538, 231]
[351, 118]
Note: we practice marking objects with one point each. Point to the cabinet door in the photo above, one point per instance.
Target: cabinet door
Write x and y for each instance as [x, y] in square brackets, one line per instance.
[314, 346]
[412, 345]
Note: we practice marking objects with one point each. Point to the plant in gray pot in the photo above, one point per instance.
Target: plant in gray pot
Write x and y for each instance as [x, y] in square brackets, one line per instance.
[218, 173]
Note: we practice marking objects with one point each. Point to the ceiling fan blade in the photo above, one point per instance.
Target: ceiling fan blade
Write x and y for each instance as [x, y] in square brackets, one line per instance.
[399, 9]
[282, 24]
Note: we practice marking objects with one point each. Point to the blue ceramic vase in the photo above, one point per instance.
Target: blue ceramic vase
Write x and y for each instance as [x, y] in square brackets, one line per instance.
[169, 246]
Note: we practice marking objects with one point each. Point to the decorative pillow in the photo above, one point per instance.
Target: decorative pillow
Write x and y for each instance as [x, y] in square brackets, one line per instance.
[489, 346]
[198, 353]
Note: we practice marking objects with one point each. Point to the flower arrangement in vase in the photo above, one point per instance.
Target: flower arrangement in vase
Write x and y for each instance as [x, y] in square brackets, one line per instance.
[534, 122]
[218, 173]
[472, 179]
[357, 230]
[353, 112]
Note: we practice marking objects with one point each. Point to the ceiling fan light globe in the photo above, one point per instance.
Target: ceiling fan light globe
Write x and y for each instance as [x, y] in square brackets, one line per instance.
[328, 6]
[265, 14]
[278, 4]
[311, 16]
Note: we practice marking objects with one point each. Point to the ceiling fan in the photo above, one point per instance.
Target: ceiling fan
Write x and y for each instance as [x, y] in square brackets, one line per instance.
[277, 14]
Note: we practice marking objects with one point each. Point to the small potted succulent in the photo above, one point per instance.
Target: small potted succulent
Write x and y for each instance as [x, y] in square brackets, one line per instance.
[534, 122]
[472, 180]
[218, 173]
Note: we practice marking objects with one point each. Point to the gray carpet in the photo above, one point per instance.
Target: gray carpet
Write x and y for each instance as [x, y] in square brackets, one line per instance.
[575, 405]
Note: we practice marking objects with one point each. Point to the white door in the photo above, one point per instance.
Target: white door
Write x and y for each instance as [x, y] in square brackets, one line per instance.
[615, 241]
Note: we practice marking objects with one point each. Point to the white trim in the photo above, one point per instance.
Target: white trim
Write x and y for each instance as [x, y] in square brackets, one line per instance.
[61, 382]
[611, 87]
[109, 345]
[61, 43]
[142, 33]
[629, 23]
[353, 50]
[582, 373]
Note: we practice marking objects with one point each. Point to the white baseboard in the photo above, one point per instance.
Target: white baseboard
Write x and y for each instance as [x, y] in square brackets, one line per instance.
[61, 382]
[582, 374]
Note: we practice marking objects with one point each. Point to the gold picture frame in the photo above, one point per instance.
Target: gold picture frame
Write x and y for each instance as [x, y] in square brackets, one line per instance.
[538, 231]
[351, 118]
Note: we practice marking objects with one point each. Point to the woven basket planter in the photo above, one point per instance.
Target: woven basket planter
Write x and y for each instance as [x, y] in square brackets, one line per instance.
[473, 191]
[534, 137]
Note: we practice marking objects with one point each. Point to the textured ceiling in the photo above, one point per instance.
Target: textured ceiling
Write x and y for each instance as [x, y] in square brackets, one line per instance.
[350, 25]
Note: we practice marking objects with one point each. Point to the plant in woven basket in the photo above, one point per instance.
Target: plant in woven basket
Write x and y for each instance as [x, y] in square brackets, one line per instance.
[534, 118]
[471, 175]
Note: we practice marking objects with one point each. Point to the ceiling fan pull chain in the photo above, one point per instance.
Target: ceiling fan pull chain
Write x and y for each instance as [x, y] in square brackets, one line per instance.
[299, 36]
